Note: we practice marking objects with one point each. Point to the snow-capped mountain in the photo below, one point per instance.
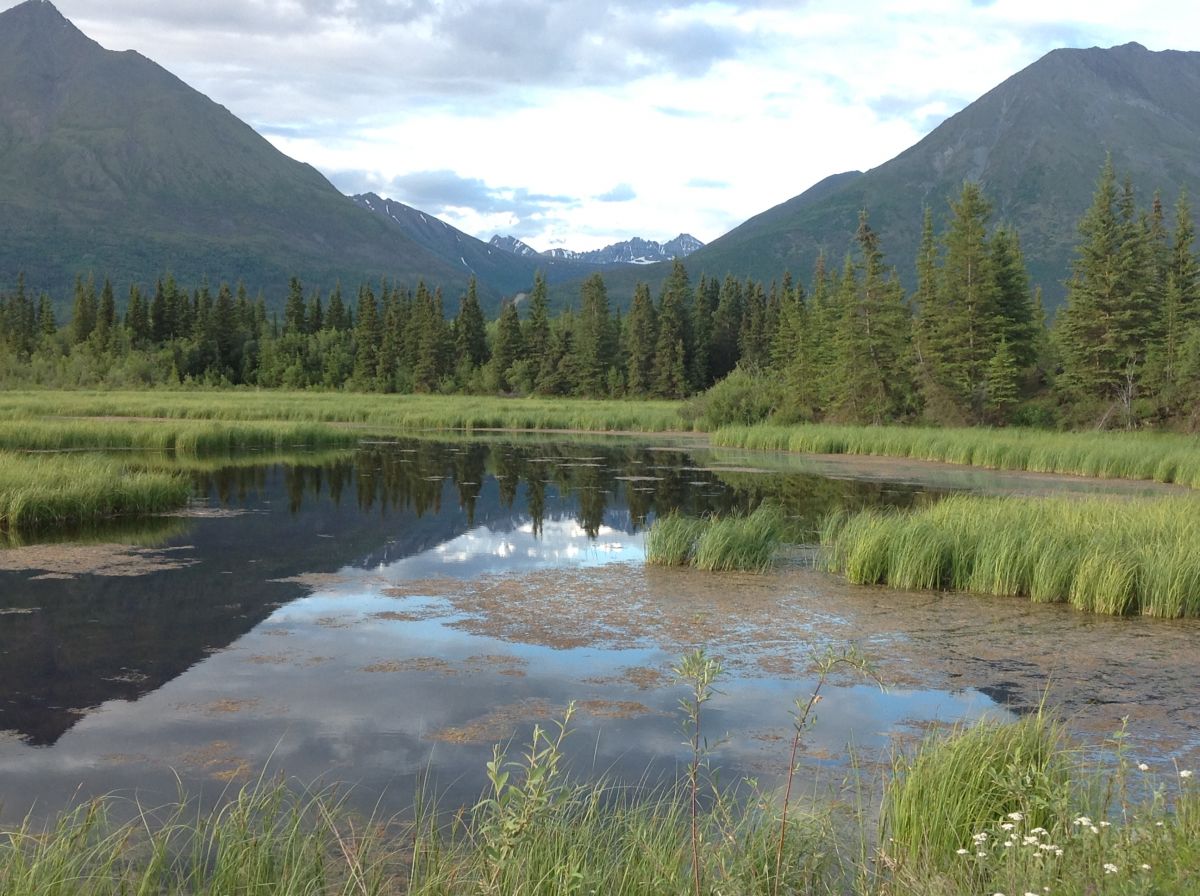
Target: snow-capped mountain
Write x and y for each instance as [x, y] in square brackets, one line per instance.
[634, 251]
[513, 245]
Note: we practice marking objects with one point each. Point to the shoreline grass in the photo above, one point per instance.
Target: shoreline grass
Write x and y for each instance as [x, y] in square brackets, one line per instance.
[1157, 457]
[387, 412]
[1007, 807]
[1102, 555]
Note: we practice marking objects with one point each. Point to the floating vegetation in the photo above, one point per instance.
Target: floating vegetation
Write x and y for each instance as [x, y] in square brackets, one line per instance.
[1103, 555]
[717, 544]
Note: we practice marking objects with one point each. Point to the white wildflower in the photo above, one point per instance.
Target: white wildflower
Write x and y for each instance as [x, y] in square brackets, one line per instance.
[1039, 831]
[1185, 773]
[980, 837]
[1145, 867]
[1007, 826]
[1142, 767]
[1083, 820]
[1017, 816]
[963, 852]
[1110, 868]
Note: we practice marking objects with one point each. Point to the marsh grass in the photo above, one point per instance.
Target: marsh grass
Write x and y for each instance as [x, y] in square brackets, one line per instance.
[181, 437]
[1016, 808]
[39, 491]
[1158, 457]
[1102, 555]
[717, 544]
[381, 412]
[956, 785]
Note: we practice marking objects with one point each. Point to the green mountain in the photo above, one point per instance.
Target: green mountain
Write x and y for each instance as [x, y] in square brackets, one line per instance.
[1035, 143]
[110, 164]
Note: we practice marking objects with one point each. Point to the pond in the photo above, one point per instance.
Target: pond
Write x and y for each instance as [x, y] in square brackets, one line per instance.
[379, 619]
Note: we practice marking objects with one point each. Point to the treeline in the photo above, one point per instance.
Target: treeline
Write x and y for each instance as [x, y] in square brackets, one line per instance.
[969, 345]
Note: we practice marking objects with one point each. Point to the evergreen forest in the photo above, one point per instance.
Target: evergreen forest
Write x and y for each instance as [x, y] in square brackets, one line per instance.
[970, 345]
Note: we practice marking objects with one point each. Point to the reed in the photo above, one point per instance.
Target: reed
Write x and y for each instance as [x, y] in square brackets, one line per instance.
[717, 544]
[1158, 457]
[1102, 555]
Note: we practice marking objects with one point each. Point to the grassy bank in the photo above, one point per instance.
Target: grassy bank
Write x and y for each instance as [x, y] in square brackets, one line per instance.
[183, 437]
[717, 544]
[1103, 555]
[38, 491]
[1006, 808]
[386, 412]
[1158, 457]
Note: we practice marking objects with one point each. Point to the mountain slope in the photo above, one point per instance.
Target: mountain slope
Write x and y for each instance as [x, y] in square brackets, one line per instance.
[1036, 144]
[110, 164]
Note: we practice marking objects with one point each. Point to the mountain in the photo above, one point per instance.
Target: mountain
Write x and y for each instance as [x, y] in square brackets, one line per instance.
[513, 245]
[1036, 144]
[500, 270]
[110, 164]
[635, 251]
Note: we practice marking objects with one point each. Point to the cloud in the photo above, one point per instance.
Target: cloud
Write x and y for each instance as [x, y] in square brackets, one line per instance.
[704, 183]
[619, 193]
[458, 199]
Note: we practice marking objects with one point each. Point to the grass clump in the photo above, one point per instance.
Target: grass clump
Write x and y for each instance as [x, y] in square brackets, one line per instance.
[1014, 808]
[717, 544]
[38, 491]
[955, 786]
[1101, 555]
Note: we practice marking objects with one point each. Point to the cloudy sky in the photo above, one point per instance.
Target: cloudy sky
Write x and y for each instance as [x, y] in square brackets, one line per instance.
[579, 122]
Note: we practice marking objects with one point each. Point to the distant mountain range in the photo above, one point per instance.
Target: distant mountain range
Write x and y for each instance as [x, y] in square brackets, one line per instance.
[111, 165]
[634, 251]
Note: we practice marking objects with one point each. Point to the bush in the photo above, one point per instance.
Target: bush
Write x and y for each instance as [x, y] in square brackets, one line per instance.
[742, 398]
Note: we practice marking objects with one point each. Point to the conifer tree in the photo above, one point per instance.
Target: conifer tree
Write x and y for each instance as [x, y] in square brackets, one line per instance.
[508, 348]
[83, 315]
[1106, 325]
[641, 337]
[873, 369]
[294, 316]
[470, 337]
[727, 327]
[595, 339]
[366, 339]
[536, 331]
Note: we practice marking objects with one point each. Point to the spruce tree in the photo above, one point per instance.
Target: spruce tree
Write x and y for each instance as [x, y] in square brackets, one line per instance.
[595, 339]
[470, 337]
[508, 347]
[641, 337]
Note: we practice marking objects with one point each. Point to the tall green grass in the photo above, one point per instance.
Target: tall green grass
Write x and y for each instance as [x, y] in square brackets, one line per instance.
[995, 808]
[385, 412]
[1159, 457]
[1103, 555]
[716, 544]
[957, 785]
[184, 437]
[38, 491]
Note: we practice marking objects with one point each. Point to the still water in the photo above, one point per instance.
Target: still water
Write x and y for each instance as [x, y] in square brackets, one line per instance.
[379, 618]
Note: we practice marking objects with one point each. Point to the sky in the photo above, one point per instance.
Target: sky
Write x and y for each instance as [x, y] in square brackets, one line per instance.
[578, 123]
